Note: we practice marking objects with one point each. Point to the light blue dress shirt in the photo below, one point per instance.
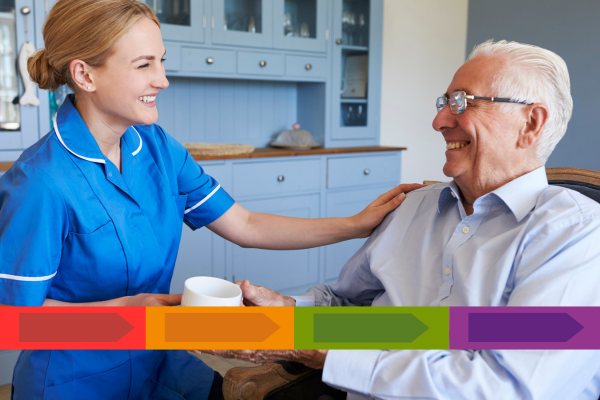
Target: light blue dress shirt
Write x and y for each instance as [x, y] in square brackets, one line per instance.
[526, 244]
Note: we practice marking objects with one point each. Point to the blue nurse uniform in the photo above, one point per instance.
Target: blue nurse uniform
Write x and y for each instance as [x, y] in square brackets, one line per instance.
[75, 229]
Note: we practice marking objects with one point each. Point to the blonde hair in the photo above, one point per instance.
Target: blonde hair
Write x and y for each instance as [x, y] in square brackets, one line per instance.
[82, 30]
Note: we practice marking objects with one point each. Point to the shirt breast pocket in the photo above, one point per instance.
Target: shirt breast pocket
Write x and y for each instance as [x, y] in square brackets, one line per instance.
[93, 267]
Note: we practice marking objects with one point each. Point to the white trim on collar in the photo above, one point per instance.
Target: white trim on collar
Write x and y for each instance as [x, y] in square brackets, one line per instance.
[96, 160]
[140, 146]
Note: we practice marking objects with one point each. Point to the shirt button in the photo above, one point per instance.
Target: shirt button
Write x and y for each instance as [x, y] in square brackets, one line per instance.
[110, 174]
[465, 229]
[447, 270]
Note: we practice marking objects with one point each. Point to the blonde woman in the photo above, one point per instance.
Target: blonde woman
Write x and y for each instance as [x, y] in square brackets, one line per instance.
[92, 213]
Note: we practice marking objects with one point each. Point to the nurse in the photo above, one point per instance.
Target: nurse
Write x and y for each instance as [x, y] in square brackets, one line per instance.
[91, 215]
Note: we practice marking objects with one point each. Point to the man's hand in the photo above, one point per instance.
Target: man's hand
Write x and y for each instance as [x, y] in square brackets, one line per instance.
[367, 220]
[258, 296]
[311, 358]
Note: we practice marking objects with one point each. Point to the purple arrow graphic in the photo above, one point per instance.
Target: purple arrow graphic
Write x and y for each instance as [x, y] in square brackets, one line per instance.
[522, 327]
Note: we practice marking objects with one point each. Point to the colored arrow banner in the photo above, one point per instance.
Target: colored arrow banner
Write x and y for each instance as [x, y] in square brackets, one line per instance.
[371, 328]
[73, 328]
[220, 328]
[300, 328]
[524, 328]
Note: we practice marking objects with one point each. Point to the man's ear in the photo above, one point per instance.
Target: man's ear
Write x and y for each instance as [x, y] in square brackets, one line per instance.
[536, 116]
[82, 75]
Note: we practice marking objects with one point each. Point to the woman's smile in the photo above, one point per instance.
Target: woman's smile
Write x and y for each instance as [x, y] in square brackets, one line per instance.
[148, 101]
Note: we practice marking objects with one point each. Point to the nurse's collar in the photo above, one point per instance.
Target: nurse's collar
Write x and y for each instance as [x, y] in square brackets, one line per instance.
[96, 160]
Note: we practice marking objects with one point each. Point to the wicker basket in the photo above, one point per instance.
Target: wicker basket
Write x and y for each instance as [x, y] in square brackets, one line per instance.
[217, 149]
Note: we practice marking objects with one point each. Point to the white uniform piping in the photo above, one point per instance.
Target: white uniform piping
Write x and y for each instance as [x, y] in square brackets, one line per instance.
[203, 200]
[27, 278]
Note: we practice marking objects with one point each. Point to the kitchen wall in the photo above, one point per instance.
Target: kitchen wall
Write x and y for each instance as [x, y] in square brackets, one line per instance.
[570, 29]
[424, 43]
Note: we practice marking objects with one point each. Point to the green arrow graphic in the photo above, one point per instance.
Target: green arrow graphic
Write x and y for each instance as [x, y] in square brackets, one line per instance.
[371, 328]
[366, 328]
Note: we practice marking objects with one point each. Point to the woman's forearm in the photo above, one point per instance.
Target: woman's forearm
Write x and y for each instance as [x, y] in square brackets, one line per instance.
[108, 303]
[274, 232]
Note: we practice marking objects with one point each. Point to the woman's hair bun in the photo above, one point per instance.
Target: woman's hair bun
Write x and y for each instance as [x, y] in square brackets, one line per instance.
[42, 73]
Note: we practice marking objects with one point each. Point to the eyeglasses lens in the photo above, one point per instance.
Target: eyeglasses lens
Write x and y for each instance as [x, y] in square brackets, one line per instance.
[440, 103]
[458, 102]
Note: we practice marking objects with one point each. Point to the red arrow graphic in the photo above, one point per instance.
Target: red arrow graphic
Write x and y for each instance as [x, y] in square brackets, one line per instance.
[72, 327]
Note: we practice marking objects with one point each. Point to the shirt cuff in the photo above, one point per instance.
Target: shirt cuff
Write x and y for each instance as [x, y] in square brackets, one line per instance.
[305, 300]
[209, 209]
[350, 370]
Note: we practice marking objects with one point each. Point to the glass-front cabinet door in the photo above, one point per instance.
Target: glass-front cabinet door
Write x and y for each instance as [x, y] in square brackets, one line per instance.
[300, 25]
[18, 123]
[242, 22]
[357, 68]
[181, 20]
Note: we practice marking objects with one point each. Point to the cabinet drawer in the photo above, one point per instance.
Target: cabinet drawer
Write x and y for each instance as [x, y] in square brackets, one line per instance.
[363, 170]
[280, 177]
[205, 60]
[173, 58]
[305, 67]
[260, 63]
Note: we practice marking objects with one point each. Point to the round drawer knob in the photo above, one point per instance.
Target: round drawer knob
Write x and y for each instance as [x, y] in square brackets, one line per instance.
[25, 10]
[281, 178]
[262, 63]
[210, 60]
[338, 41]
[308, 67]
[367, 171]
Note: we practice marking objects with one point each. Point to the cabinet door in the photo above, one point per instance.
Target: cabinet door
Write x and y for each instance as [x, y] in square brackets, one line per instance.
[181, 20]
[279, 270]
[304, 25]
[18, 124]
[344, 204]
[357, 51]
[242, 22]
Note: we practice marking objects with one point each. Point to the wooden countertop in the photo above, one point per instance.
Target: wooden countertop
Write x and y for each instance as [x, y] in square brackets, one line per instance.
[264, 152]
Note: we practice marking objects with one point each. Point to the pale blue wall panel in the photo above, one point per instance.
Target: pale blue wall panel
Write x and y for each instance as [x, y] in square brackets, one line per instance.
[227, 111]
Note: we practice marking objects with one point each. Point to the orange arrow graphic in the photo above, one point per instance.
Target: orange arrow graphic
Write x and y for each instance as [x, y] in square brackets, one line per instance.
[213, 327]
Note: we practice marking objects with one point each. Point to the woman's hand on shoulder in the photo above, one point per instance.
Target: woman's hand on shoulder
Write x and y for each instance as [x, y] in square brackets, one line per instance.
[367, 220]
[152, 300]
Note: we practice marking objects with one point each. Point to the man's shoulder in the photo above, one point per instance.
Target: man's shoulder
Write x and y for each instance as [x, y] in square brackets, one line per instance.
[561, 207]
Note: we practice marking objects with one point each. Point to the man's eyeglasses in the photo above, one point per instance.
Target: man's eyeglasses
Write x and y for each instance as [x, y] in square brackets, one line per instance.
[458, 101]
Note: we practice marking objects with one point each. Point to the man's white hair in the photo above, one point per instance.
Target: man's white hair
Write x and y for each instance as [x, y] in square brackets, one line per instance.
[534, 75]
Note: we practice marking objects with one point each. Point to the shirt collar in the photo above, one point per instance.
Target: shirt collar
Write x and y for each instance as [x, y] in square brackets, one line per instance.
[520, 195]
[75, 136]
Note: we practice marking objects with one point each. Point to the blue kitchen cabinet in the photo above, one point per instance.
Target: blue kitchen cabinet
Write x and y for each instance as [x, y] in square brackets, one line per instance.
[181, 20]
[304, 27]
[246, 23]
[357, 52]
[278, 270]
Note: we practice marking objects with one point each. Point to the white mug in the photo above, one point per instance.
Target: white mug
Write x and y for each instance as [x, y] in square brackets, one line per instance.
[206, 291]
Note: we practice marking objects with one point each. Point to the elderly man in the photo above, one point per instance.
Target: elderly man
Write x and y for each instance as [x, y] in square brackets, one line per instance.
[497, 235]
